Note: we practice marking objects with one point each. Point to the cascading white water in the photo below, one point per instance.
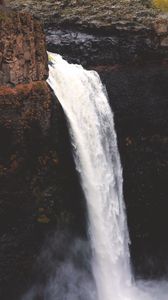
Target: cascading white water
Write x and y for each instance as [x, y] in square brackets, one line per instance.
[84, 101]
[91, 123]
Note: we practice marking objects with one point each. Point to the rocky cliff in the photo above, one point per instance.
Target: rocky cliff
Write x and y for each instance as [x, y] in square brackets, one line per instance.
[94, 32]
[25, 110]
[127, 43]
[23, 56]
[95, 13]
[37, 175]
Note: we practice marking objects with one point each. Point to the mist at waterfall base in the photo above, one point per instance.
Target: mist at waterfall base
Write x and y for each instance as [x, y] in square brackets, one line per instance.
[65, 270]
[104, 273]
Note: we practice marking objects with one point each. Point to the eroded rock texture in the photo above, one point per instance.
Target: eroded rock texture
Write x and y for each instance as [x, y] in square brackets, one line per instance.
[94, 32]
[23, 55]
[38, 182]
[95, 13]
[127, 43]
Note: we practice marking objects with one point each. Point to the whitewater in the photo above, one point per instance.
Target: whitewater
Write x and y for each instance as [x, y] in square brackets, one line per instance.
[91, 125]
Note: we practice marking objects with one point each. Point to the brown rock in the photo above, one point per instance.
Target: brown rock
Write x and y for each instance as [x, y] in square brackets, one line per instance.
[23, 105]
[161, 26]
[23, 56]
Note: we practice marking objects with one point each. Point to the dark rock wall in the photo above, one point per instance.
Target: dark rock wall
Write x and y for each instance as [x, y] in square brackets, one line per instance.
[39, 189]
[133, 64]
[116, 45]
[24, 124]
[139, 99]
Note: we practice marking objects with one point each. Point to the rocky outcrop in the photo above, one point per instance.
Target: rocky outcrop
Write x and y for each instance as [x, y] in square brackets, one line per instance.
[121, 42]
[89, 14]
[38, 181]
[119, 46]
[94, 33]
[23, 56]
[25, 121]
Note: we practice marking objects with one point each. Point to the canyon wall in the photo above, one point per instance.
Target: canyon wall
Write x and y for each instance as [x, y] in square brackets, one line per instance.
[37, 174]
[94, 32]
[127, 43]
[22, 50]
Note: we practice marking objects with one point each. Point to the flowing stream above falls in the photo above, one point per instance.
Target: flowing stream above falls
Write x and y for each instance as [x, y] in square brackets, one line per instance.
[91, 124]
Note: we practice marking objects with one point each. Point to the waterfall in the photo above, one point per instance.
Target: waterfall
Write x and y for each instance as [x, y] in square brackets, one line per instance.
[91, 123]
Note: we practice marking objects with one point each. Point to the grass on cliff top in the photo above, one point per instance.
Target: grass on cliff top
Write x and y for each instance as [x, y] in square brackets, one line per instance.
[161, 4]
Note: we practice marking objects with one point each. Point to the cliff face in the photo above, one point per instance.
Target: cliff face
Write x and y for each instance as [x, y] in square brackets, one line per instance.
[127, 43]
[139, 98]
[38, 183]
[92, 33]
[89, 14]
[37, 175]
[23, 56]
[123, 41]
[25, 120]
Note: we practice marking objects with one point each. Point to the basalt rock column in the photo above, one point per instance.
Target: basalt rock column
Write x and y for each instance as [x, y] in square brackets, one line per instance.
[23, 55]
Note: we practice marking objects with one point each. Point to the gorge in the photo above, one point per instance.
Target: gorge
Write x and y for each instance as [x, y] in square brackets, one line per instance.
[96, 155]
[40, 191]
[97, 160]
